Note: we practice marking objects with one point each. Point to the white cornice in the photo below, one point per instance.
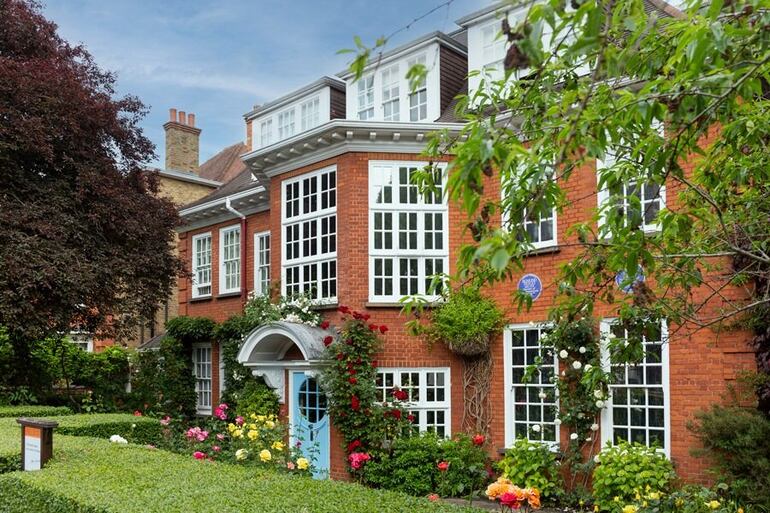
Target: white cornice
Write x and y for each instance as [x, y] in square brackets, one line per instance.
[343, 136]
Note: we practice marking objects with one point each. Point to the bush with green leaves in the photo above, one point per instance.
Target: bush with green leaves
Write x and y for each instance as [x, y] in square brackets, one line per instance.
[76, 481]
[530, 464]
[412, 466]
[627, 469]
[34, 411]
[465, 322]
[737, 442]
[689, 499]
[257, 397]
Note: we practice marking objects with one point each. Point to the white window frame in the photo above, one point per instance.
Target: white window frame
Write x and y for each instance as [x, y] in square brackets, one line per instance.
[320, 260]
[423, 405]
[310, 113]
[201, 380]
[365, 98]
[262, 263]
[607, 413]
[286, 124]
[391, 93]
[266, 133]
[377, 169]
[223, 232]
[509, 399]
[420, 92]
[196, 266]
[492, 46]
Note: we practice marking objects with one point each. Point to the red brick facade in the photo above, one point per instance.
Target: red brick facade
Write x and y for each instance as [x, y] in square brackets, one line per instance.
[701, 364]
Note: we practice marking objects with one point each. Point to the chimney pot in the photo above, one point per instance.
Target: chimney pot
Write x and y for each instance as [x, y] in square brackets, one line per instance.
[191, 119]
[182, 117]
[172, 114]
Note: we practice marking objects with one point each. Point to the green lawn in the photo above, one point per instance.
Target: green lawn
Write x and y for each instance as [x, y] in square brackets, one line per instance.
[93, 475]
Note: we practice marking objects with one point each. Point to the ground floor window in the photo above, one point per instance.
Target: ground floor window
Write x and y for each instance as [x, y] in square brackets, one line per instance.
[429, 391]
[638, 407]
[202, 371]
[530, 399]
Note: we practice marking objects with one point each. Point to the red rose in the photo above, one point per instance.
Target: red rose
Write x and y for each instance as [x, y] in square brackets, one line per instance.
[352, 371]
[355, 403]
[396, 414]
[352, 446]
[373, 327]
[357, 315]
[328, 339]
[137, 413]
[324, 325]
[401, 395]
[340, 356]
[365, 316]
[349, 341]
[343, 309]
[479, 440]
[383, 329]
[352, 380]
[410, 418]
[443, 466]
[433, 497]
[374, 364]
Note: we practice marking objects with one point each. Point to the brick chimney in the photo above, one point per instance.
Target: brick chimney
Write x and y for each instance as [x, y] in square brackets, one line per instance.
[182, 149]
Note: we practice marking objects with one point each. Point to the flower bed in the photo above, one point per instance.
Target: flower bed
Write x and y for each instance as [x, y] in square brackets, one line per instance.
[97, 476]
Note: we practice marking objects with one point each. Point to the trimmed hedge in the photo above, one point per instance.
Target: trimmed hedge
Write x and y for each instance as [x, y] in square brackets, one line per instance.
[95, 476]
[34, 411]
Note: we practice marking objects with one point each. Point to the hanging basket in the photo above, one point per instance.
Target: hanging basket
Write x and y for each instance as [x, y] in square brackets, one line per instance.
[468, 348]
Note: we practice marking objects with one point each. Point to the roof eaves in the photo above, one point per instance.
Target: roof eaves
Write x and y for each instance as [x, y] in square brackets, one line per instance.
[187, 177]
[325, 81]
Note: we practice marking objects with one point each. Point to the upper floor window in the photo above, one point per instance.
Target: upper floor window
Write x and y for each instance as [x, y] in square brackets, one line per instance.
[309, 258]
[408, 236]
[535, 224]
[636, 203]
[266, 133]
[310, 113]
[493, 46]
[391, 103]
[638, 406]
[230, 259]
[201, 357]
[286, 124]
[429, 399]
[262, 263]
[531, 403]
[418, 99]
[201, 265]
[366, 98]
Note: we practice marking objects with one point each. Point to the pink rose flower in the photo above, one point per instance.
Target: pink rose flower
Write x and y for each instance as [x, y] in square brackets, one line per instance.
[165, 421]
[199, 455]
[239, 420]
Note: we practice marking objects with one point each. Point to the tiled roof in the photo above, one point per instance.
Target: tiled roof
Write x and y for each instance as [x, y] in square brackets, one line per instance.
[242, 182]
[225, 165]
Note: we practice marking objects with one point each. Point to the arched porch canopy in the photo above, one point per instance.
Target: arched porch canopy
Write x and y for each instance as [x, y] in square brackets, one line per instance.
[264, 349]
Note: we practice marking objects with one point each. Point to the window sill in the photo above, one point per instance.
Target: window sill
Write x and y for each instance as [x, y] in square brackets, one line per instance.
[396, 304]
[325, 306]
[200, 299]
[545, 250]
[229, 294]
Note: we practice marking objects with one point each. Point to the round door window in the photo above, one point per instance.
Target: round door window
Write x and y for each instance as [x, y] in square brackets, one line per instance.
[312, 401]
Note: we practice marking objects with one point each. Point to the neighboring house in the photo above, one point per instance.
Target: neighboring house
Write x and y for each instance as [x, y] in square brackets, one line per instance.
[326, 206]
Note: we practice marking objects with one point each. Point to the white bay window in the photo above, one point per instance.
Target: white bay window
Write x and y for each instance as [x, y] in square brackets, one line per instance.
[309, 256]
[201, 265]
[408, 235]
[230, 259]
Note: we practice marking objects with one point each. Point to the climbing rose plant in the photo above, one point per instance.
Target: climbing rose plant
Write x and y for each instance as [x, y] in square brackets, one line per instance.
[366, 422]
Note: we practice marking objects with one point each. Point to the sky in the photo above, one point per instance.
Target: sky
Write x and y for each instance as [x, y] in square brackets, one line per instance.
[218, 59]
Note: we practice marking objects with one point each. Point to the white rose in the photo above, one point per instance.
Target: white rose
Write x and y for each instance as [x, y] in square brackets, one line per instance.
[576, 365]
[598, 393]
[536, 428]
[541, 395]
[133, 426]
[557, 422]
[563, 353]
[594, 427]
[582, 350]
[596, 459]
[588, 367]
[573, 436]
[588, 439]
[612, 336]
[600, 404]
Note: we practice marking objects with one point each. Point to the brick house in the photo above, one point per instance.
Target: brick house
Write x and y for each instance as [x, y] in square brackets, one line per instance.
[325, 205]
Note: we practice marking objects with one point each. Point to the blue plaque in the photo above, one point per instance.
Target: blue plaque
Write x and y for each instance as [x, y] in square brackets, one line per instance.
[626, 285]
[531, 284]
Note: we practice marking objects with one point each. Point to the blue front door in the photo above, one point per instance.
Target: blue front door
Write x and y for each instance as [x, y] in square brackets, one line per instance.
[310, 422]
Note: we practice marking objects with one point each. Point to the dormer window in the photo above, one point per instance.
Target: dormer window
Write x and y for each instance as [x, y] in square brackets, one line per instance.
[390, 94]
[286, 124]
[366, 98]
[418, 99]
[266, 133]
[310, 113]
[493, 46]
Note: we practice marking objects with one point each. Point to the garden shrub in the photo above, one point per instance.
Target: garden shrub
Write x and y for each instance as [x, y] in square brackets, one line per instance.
[75, 481]
[34, 411]
[139, 430]
[412, 466]
[256, 397]
[532, 465]
[627, 469]
[689, 499]
[737, 442]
